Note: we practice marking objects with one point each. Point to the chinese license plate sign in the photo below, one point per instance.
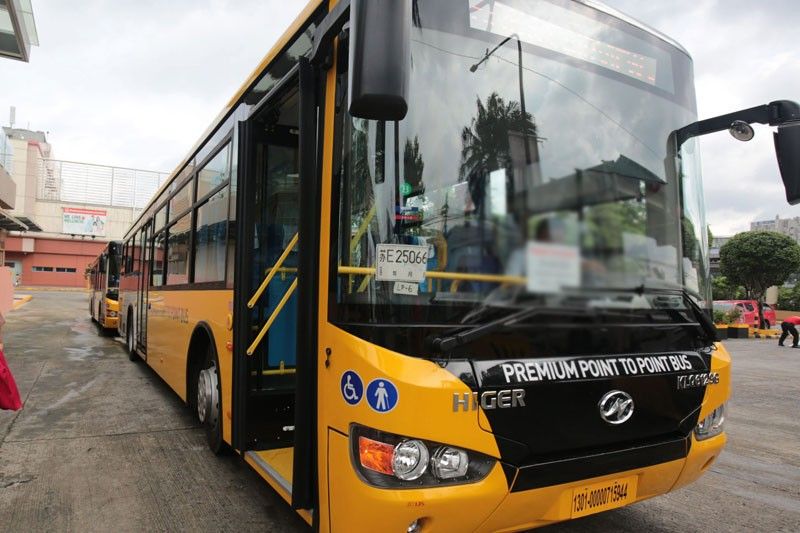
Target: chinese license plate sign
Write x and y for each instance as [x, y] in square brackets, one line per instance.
[401, 262]
[598, 497]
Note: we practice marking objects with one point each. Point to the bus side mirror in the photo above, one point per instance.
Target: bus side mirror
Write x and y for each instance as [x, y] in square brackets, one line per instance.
[380, 58]
[787, 149]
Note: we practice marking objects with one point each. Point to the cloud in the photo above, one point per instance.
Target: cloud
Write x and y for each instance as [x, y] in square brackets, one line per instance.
[136, 83]
[745, 54]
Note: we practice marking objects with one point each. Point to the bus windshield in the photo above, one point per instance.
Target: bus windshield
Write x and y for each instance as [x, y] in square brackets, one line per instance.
[533, 163]
[113, 272]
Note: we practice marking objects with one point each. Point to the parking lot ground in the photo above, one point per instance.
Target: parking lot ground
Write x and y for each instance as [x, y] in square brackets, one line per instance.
[102, 444]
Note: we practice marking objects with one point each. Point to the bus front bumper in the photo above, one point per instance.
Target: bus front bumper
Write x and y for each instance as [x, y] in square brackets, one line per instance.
[489, 505]
[110, 322]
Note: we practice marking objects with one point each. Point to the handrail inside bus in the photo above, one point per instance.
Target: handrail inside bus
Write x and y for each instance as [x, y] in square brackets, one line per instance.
[252, 348]
[272, 272]
[434, 274]
[362, 229]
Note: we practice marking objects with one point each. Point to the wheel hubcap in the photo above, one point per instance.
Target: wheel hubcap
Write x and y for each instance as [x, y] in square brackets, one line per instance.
[207, 398]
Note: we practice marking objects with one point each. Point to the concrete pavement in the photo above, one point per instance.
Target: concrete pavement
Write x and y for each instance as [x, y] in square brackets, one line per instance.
[102, 444]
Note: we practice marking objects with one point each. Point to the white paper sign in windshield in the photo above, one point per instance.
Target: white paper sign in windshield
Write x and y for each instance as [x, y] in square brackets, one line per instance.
[408, 289]
[551, 267]
[401, 262]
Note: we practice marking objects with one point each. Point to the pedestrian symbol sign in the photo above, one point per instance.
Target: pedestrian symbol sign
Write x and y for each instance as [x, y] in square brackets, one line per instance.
[382, 395]
[352, 387]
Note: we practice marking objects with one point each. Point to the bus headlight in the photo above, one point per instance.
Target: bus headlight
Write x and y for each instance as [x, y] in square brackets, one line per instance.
[712, 425]
[389, 461]
[112, 314]
[410, 459]
[449, 462]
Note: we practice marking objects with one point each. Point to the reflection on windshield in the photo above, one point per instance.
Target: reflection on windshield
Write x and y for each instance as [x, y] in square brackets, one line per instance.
[113, 271]
[517, 166]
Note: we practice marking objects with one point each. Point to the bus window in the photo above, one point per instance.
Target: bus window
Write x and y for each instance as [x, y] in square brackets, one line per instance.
[214, 173]
[159, 251]
[178, 246]
[209, 255]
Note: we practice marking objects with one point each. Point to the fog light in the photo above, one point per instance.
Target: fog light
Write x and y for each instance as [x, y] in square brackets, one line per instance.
[410, 459]
[449, 462]
[712, 425]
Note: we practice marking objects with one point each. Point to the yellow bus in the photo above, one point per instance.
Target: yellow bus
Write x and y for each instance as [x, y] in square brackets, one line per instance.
[441, 265]
[103, 276]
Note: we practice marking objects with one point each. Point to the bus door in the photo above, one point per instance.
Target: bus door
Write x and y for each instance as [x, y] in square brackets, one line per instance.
[144, 283]
[266, 277]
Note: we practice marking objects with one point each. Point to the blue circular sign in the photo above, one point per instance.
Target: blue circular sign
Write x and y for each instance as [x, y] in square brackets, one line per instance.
[382, 395]
[352, 387]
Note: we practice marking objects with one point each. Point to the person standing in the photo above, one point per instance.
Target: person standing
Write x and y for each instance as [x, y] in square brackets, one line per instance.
[789, 326]
[9, 394]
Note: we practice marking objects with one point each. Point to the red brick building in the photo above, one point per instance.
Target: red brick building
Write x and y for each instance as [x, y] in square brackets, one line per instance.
[51, 262]
[61, 214]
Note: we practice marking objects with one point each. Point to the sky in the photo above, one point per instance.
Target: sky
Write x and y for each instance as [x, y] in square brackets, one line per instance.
[135, 83]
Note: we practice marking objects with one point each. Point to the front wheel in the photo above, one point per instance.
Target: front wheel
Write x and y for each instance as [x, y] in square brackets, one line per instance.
[208, 402]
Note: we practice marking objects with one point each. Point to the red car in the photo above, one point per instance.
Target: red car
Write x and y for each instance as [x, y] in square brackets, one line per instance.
[748, 311]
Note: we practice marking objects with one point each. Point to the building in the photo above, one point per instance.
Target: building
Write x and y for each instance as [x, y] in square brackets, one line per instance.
[713, 253]
[65, 212]
[17, 29]
[787, 226]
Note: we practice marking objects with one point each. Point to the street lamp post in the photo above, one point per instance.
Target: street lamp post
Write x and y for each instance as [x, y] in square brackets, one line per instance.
[474, 67]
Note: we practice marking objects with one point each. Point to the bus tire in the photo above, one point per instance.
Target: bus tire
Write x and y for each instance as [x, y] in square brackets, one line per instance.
[101, 331]
[209, 410]
[129, 339]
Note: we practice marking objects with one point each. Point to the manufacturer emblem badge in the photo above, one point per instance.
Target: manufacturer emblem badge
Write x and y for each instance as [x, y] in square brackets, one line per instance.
[616, 407]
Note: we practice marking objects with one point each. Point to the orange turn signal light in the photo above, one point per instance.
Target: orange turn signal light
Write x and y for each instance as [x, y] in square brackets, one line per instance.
[375, 455]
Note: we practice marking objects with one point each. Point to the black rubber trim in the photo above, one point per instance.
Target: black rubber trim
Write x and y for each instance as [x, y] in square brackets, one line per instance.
[242, 269]
[305, 482]
[589, 466]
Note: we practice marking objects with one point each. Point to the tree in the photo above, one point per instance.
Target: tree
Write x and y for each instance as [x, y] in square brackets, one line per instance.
[723, 289]
[485, 143]
[789, 298]
[414, 166]
[758, 260]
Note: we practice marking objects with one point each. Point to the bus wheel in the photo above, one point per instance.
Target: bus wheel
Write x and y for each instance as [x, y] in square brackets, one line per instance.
[101, 331]
[129, 342]
[208, 404]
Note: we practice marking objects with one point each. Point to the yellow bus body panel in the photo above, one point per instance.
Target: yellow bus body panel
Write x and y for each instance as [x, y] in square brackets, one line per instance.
[172, 319]
[424, 410]
[425, 405]
[110, 322]
[718, 393]
[356, 506]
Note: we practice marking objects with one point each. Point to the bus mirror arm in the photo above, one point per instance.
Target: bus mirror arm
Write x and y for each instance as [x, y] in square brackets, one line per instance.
[327, 30]
[380, 59]
[379, 54]
[784, 114]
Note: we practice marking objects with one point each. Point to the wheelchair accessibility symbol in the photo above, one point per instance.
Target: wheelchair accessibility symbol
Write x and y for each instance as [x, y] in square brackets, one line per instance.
[352, 387]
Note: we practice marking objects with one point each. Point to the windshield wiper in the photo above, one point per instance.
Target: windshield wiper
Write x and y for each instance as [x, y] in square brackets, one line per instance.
[706, 324]
[447, 342]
